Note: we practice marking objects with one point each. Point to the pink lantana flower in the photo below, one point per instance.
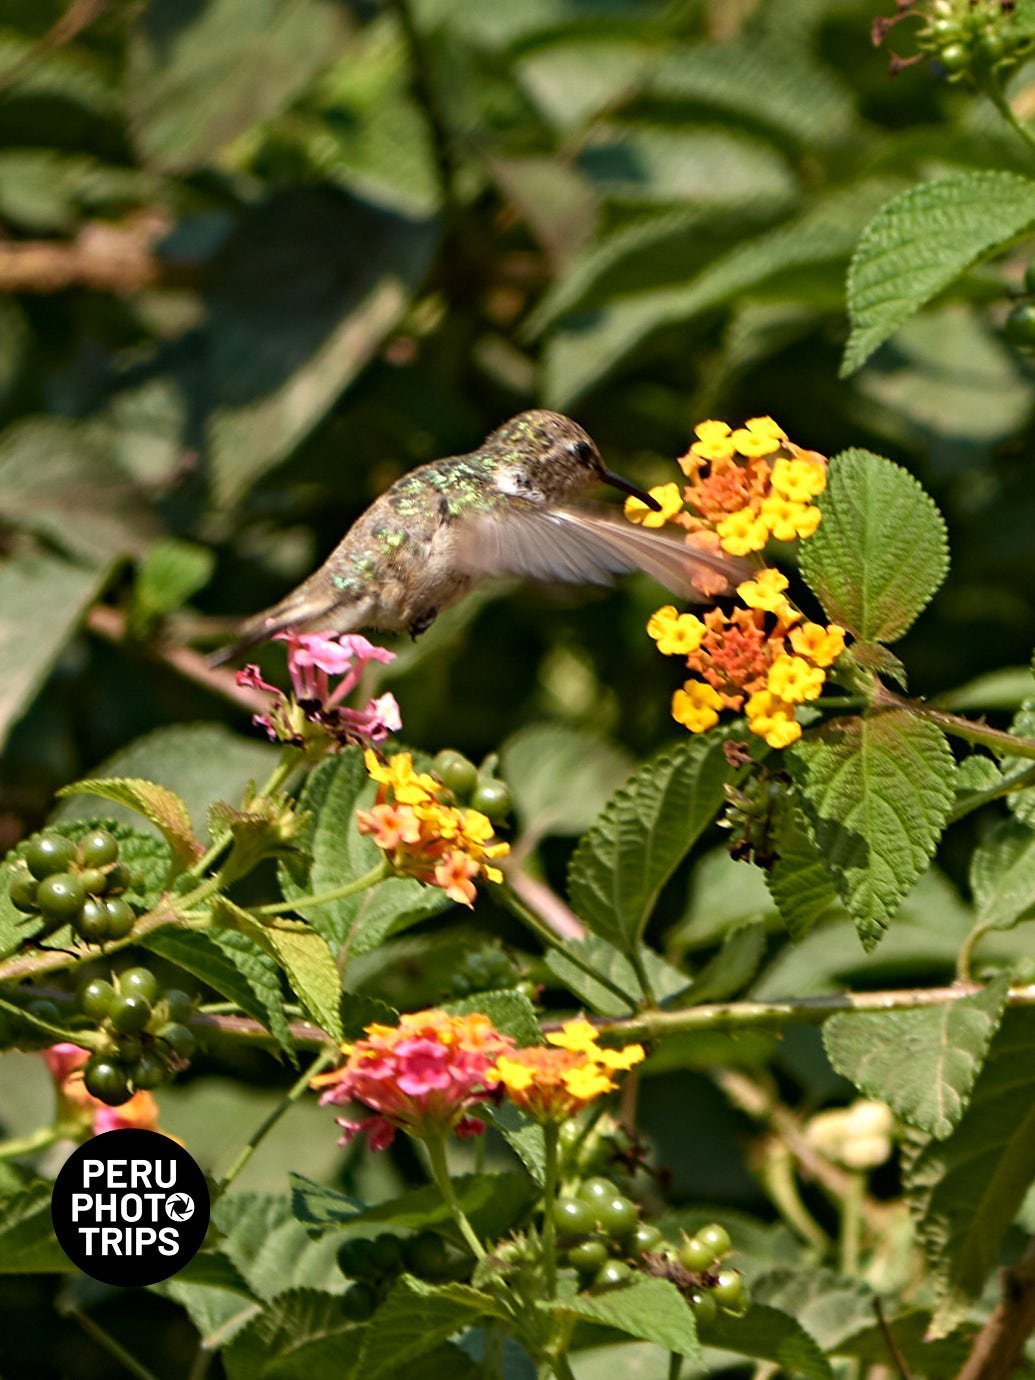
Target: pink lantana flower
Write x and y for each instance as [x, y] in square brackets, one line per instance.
[314, 712]
[421, 1076]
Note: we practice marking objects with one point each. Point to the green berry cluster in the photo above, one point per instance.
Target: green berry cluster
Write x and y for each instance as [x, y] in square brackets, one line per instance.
[972, 37]
[375, 1263]
[478, 787]
[75, 884]
[484, 970]
[1019, 327]
[147, 1036]
[696, 1267]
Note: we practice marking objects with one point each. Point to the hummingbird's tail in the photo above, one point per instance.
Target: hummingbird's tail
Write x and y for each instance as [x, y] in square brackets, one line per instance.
[303, 608]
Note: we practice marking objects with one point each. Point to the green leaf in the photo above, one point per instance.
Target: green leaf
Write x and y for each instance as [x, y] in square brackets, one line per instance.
[170, 573]
[341, 853]
[922, 1063]
[42, 600]
[769, 1335]
[798, 881]
[877, 791]
[731, 969]
[880, 552]
[920, 242]
[652, 1309]
[300, 1332]
[493, 1202]
[233, 965]
[270, 1249]
[828, 1306]
[417, 1316]
[199, 762]
[303, 956]
[27, 1241]
[162, 807]
[1002, 875]
[646, 830]
[510, 1012]
[666, 980]
[199, 77]
[560, 777]
[965, 1191]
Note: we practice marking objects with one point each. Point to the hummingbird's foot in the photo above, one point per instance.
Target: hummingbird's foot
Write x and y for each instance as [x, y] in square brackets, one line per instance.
[423, 623]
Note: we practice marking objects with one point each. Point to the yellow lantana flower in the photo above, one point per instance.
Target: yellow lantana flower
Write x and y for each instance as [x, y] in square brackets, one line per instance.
[677, 634]
[819, 644]
[713, 441]
[765, 592]
[577, 1034]
[696, 706]
[798, 480]
[759, 436]
[772, 719]
[742, 532]
[787, 520]
[408, 786]
[791, 678]
[670, 496]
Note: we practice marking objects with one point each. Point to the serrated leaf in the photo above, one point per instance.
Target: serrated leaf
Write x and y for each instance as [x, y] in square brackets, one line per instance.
[162, 807]
[965, 1191]
[828, 1306]
[417, 1316]
[877, 791]
[769, 1335]
[270, 1249]
[1002, 875]
[920, 242]
[341, 853]
[880, 552]
[922, 1063]
[493, 1202]
[560, 777]
[42, 600]
[301, 953]
[731, 969]
[645, 831]
[651, 1309]
[300, 1332]
[611, 963]
[27, 1241]
[798, 881]
[234, 966]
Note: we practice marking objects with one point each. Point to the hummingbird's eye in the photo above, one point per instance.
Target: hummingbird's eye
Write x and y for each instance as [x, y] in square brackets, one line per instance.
[582, 451]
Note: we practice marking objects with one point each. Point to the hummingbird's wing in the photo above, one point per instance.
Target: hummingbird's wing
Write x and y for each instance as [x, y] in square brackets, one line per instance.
[580, 546]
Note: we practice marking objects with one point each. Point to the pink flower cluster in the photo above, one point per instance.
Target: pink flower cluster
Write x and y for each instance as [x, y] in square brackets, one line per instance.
[420, 1076]
[315, 709]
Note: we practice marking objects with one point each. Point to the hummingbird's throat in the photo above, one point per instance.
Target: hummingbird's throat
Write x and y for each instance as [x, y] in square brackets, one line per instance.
[617, 482]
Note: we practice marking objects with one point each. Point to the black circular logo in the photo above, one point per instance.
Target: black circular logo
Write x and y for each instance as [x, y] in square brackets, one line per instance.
[130, 1207]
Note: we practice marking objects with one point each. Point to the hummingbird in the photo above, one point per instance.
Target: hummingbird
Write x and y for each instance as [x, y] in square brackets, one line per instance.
[504, 508]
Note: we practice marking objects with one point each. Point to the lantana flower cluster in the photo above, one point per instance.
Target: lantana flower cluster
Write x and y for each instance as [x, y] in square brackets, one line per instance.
[313, 715]
[79, 1107]
[422, 836]
[424, 1075]
[554, 1081]
[762, 659]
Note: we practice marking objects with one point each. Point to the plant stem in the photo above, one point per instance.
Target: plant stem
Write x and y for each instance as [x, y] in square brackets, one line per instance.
[85, 1039]
[966, 953]
[51, 960]
[301, 1084]
[995, 738]
[551, 1137]
[110, 1345]
[976, 799]
[560, 1367]
[338, 893]
[38, 1140]
[993, 90]
[675, 1366]
[280, 773]
[436, 1147]
[851, 1222]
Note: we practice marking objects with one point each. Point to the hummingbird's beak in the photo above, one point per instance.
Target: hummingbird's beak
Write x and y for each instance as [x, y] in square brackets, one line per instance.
[617, 482]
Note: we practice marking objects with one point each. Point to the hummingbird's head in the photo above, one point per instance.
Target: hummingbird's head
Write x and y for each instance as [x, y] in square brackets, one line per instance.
[559, 458]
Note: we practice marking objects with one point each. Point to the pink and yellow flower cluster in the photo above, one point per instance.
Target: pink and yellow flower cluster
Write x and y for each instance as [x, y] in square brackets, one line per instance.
[745, 486]
[439, 844]
[80, 1108]
[424, 1075]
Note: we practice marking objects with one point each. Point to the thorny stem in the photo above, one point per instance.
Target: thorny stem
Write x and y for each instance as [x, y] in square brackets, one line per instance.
[550, 1167]
[338, 893]
[297, 1089]
[994, 738]
[436, 1147]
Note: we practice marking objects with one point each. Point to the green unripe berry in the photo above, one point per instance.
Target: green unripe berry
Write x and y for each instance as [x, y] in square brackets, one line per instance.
[354, 1259]
[617, 1216]
[386, 1254]
[455, 771]
[95, 998]
[94, 881]
[98, 848]
[147, 1072]
[60, 896]
[728, 1290]
[92, 924]
[1020, 325]
[129, 1014]
[588, 1256]
[427, 1255]
[106, 1080]
[716, 1238]
[992, 46]
[139, 982]
[118, 879]
[180, 1005]
[646, 1237]
[358, 1302]
[573, 1217]
[611, 1273]
[954, 57]
[704, 1305]
[121, 917]
[178, 1037]
[696, 1254]
[130, 1048]
[22, 891]
[49, 853]
[492, 798]
[596, 1191]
